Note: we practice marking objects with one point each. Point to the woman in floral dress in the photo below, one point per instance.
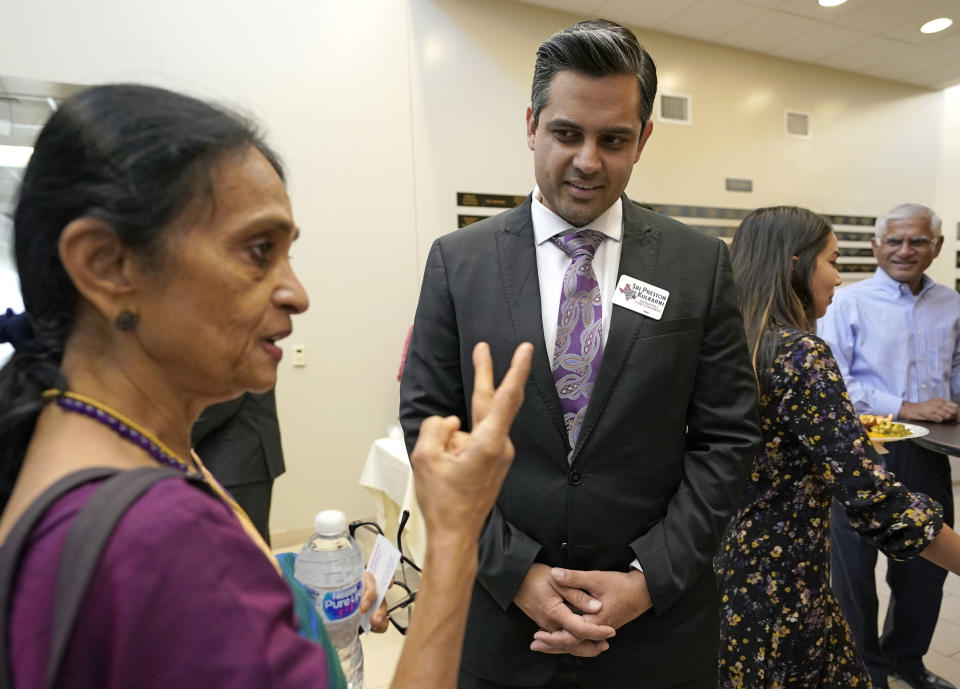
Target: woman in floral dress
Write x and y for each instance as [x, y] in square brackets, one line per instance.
[780, 624]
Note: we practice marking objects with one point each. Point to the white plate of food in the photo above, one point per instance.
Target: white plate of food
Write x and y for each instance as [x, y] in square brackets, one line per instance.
[883, 429]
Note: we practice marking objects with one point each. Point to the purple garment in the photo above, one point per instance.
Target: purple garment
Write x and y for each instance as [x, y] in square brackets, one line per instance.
[181, 598]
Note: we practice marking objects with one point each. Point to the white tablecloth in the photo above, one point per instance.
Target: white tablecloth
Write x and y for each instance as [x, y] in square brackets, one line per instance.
[389, 480]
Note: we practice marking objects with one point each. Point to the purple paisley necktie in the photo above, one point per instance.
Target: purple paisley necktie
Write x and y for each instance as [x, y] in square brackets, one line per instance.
[579, 347]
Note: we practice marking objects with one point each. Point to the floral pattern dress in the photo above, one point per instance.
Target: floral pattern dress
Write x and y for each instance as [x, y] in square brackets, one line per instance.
[780, 623]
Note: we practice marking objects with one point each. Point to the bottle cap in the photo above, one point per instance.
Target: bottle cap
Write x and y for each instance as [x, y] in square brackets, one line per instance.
[330, 523]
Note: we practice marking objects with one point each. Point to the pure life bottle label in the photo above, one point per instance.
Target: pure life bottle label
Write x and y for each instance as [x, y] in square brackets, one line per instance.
[340, 604]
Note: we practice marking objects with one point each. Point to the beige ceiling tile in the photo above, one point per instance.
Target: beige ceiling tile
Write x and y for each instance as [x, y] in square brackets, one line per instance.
[766, 3]
[947, 83]
[950, 44]
[878, 16]
[913, 35]
[818, 44]
[922, 12]
[876, 37]
[646, 13]
[708, 19]
[938, 8]
[810, 8]
[935, 75]
[870, 52]
[574, 6]
[912, 63]
[768, 31]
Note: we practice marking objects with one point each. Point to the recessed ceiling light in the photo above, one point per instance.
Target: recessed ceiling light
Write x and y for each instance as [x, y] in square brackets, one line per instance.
[831, 3]
[935, 25]
[15, 156]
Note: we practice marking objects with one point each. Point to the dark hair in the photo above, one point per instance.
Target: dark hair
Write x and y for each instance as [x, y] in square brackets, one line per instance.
[596, 48]
[773, 290]
[133, 156]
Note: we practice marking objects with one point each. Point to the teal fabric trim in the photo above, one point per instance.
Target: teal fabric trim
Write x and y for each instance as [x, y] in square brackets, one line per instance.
[310, 626]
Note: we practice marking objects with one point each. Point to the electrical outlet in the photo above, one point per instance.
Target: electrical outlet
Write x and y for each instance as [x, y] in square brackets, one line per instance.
[299, 355]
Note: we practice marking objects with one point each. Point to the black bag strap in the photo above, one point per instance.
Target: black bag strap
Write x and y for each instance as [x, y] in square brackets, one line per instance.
[86, 539]
[12, 548]
[88, 536]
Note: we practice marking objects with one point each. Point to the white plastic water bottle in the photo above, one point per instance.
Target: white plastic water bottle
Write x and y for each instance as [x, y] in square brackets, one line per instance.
[330, 566]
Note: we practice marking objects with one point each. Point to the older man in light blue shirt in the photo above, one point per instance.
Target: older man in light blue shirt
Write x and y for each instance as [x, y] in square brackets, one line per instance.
[896, 338]
[898, 350]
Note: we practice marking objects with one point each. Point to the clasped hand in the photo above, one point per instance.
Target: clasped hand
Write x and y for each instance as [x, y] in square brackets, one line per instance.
[578, 611]
[937, 410]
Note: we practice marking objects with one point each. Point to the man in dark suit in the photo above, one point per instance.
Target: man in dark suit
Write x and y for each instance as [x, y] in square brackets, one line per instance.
[239, 442]
[640, 410]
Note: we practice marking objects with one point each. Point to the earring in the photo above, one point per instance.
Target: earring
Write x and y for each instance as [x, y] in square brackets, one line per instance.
[126, 321]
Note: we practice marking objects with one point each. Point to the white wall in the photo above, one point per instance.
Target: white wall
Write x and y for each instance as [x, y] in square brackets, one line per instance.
[384, 109]
[948, 198]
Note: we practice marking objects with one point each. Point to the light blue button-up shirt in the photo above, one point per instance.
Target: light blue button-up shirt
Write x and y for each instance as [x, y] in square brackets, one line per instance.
[893, 346]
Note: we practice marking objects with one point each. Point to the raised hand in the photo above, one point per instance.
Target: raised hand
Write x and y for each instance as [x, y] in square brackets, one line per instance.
[457, 474]
[458, 477]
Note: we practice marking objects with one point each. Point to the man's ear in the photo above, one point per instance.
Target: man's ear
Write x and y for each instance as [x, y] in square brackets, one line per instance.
[644, 135]
[937, 245]
[531, 129]
[100, 265]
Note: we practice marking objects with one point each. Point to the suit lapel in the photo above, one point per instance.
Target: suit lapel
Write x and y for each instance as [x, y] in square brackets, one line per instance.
[639, 254]
[517, 256]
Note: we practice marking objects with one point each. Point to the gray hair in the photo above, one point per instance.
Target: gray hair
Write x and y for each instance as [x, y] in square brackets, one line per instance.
[907, 211]
[596, 48]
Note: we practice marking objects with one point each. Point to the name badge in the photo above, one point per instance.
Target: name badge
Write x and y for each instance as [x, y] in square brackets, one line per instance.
[641, 297]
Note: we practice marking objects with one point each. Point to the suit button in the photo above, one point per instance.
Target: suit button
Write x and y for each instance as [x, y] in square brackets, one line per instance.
[563, 546]
[574, 478]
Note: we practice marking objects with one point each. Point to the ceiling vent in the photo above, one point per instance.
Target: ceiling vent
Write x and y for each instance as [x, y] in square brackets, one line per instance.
[796, 124]
[675, 108]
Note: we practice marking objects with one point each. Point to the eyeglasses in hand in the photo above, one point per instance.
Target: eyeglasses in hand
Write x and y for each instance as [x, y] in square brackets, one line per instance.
[406, 582]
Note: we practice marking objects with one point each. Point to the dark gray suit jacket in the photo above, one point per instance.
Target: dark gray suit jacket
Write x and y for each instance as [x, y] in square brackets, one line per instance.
[239, 440]
[658, 468]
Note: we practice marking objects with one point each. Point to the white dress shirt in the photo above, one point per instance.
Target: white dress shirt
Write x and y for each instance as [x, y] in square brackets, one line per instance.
[552, 262]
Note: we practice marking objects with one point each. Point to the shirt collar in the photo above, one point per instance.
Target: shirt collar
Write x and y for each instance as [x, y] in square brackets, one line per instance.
[547, 224]
[895, 287]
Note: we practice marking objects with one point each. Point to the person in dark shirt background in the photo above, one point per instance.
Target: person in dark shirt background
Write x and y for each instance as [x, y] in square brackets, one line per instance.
[239, 442]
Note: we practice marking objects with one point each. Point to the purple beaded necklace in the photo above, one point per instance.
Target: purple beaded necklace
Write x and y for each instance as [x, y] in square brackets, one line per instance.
[119, 424]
